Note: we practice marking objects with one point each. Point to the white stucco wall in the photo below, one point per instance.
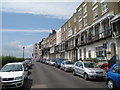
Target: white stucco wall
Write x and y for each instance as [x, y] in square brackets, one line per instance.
[92, 46]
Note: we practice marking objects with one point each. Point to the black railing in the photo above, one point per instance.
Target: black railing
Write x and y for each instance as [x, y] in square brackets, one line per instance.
[92, 38]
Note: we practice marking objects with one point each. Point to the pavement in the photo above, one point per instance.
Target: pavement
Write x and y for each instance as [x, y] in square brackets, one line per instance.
[45, 76]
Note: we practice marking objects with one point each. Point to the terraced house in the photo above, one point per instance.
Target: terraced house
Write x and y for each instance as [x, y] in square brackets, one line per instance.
[92, 32]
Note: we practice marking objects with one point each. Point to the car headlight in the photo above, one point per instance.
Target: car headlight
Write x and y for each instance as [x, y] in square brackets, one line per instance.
[104, 73]
[18, 78]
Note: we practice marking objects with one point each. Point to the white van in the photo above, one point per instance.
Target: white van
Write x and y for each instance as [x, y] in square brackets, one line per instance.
[13, 75]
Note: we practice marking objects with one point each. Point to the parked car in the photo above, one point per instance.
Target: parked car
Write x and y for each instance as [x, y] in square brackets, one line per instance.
[67, 65]
[0, 83]
[28, 63]
[47, 61]
[58, 62]
[52, 62]
[88, 70]
[43, 61]
[105, 67]
[38, 60]
[113, 77]
[13, 75]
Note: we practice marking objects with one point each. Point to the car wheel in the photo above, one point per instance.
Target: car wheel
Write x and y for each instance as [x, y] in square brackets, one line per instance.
[60, 68]
[65, 69]
[86, 76]
[26, 78]
[74, 73]
[110, 84]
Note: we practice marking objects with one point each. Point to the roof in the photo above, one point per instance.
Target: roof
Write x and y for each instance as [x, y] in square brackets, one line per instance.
[14, 63]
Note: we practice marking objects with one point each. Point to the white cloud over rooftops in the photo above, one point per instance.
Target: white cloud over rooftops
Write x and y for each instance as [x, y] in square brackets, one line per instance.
[62, 10]
[26, 30]
[42, 0]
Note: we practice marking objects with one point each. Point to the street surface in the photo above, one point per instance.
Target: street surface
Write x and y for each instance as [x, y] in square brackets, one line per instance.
[45, 76]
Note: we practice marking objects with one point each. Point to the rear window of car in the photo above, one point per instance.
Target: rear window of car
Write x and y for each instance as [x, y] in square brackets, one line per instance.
[90, 65]
[69, 62]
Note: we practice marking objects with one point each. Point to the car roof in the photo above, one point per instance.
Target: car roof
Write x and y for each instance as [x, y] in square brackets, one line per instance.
[20, 63]
[86, 61]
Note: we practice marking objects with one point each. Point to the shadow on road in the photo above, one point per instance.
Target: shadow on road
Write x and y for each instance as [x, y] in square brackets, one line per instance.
[97, 80]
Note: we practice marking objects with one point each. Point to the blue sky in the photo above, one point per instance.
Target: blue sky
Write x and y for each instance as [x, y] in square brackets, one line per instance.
[23, 21]
[26, 22]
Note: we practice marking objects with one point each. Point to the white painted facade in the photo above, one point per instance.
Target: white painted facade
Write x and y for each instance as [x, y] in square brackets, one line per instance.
[92, 48]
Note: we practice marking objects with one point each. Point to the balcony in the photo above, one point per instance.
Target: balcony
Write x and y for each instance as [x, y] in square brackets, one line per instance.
[70, 47]
[102, 35]
[94, 38]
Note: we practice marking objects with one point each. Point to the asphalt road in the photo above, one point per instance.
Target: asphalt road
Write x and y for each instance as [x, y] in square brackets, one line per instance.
[45, 76]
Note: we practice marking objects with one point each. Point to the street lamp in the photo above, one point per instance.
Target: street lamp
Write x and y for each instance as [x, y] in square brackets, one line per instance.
[23, 52]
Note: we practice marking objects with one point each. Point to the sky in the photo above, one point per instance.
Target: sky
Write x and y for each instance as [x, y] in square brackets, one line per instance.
[26, 22]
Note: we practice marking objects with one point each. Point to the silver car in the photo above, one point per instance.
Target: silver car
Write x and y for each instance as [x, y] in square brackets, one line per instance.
[88, 70]
[67, 65]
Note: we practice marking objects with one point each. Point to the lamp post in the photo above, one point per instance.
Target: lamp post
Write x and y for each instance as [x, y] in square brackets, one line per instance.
[23, 52]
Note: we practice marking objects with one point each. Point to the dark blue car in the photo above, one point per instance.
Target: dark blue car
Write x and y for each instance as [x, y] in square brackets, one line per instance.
[113, 77]
[58, 62]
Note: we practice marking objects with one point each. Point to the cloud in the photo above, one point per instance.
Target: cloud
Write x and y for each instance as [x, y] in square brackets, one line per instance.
[61, 9]
[16, 49]
[41, 1]
[25, 30]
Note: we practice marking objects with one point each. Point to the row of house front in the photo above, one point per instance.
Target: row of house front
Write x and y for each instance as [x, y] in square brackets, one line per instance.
[92, 32]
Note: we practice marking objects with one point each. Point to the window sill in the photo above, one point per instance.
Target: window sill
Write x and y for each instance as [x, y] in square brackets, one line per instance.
[105, 11]
[95, 18]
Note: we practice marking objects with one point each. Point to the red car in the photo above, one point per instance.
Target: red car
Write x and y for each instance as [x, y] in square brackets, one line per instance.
[105, 67]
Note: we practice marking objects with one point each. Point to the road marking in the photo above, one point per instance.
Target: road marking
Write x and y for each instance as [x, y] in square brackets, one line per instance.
[39, 86]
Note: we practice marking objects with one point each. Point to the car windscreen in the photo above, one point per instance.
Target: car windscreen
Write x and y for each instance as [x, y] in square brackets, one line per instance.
[90, 65]
[69, 62]
[59, 60]
[52, 60]
[12, 68]
[117, 69]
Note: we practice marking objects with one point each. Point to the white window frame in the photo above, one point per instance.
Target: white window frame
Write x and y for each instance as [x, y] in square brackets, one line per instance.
[74, 19]
[66, 27]
[84, 20]
[95, 15]
[80, 13]
[85, 8]
[80, 21]
[75, 29]
[69, 24]
[69, 32]
[94, 2]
